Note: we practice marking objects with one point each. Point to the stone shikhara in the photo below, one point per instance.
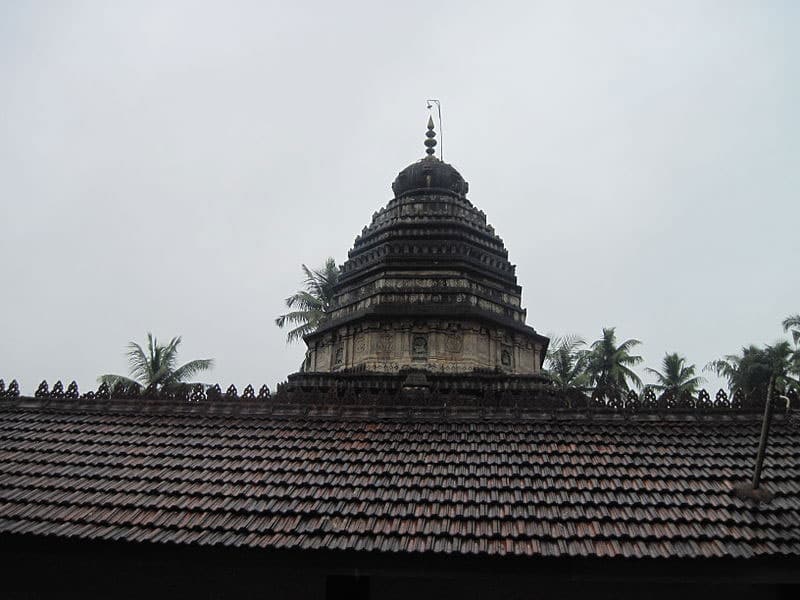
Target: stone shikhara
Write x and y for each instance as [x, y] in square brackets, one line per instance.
[427, 285]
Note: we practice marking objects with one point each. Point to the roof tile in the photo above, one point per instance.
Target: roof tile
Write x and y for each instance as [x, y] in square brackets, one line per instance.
[536, 487]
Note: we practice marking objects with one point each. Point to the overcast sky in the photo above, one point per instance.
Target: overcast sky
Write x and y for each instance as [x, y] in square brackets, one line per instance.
[167, 166]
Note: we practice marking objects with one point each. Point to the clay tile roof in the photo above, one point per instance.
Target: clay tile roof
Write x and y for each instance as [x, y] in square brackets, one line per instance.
[538, 486]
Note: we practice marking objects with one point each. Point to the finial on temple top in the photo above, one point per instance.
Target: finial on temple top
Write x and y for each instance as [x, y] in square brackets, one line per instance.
[430, 143]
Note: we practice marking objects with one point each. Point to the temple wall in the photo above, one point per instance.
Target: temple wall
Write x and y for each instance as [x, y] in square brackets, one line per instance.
[437, 345]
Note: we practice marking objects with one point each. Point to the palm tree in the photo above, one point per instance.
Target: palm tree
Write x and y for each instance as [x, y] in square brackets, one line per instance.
[730, 367]
[312, 304]
[780, 361]
[792, 323]
[608, 365]
[676, 376]
[566, 363]
[750, 373]
[156, 366]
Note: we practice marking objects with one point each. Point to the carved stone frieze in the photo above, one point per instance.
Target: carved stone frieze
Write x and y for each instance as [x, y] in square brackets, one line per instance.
[437, 345]
[506, 356]
[454, 342]
[419, 347]
[360, 345]
[385, 344]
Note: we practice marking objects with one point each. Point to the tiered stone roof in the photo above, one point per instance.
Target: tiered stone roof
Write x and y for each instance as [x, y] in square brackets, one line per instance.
[429, 256]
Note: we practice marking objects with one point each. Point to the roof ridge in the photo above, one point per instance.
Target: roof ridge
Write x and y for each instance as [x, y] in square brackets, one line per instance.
[433, 408]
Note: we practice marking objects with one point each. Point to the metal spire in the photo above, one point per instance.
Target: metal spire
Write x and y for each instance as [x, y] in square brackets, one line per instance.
[430, 143]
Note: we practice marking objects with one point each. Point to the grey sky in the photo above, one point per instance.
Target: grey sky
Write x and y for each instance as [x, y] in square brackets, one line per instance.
[167, 166]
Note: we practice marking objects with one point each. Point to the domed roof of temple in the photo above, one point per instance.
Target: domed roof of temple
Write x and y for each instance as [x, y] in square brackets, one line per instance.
[429, 224]
[430, 174]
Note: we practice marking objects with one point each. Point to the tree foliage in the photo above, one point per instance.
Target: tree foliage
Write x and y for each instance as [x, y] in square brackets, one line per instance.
[609, 364]
[156, 365]
[750, 371]
[791, 324]
[566, 363]
[309, 307]
[675, 376]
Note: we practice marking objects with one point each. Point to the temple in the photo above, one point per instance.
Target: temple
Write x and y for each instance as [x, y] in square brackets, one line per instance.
[427, 287]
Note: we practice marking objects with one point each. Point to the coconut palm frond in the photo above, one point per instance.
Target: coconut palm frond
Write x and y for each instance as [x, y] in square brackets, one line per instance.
[304, 301]
[139, 365]
[170, 353]
[189, 370]
[569, 343]
[298, 333]
[565, 362]
[628, 345]
[792, 324]
[152, 366]
[312, 304]
[675, 375]
[311, 317]
[608, 363]
[159, 376]
[726, 367]
[751, 371]
[628, 375]
[155, 365]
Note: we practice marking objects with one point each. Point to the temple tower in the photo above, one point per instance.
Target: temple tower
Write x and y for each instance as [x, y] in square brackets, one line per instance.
[427, 285]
